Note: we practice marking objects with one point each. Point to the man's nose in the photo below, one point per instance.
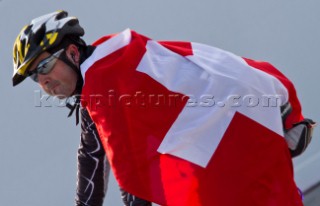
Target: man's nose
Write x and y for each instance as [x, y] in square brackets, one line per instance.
[44, 80]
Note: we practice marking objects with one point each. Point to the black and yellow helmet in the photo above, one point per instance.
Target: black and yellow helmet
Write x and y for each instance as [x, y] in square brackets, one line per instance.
[43, 33]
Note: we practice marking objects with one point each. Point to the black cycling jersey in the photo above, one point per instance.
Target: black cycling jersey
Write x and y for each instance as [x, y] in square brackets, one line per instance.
[94, 168]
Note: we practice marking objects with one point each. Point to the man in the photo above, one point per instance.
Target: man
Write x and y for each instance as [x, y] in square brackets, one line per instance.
[64, 81]
[181, 123]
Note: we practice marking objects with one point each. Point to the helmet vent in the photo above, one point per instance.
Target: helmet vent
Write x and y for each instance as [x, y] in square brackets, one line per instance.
[27, 30]
[61, 15]
[23, 42]
[39, 35]
[73, 22]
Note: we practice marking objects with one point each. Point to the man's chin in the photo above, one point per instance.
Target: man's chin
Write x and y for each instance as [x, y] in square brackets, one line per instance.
[60, 95]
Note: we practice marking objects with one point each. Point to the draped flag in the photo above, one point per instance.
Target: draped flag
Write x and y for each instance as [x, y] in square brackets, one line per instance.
[186, 124]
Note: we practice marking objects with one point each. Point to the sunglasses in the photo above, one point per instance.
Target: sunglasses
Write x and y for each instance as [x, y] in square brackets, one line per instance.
[45, 66]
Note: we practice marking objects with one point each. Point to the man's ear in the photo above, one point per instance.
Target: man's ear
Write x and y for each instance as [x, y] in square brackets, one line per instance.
[73, 53]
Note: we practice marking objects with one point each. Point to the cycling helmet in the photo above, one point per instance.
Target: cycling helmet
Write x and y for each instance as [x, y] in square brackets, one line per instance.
[43, 33]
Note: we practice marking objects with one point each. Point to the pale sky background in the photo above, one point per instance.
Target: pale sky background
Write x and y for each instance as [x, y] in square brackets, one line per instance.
[38, 145]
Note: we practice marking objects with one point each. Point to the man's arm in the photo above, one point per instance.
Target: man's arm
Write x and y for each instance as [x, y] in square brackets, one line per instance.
[93, 167]
[131, 200]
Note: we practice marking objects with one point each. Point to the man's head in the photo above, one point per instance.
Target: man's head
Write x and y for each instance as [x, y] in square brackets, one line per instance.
[47, 50]
[53, 74]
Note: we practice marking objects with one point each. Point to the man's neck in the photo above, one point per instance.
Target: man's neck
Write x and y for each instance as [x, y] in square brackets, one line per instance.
[86, 52]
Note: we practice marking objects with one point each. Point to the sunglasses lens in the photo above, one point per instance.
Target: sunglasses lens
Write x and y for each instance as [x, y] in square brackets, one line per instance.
[34, 77]
[45, 66]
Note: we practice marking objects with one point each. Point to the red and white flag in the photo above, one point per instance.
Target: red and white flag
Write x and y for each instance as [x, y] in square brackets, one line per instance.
[185, 124]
